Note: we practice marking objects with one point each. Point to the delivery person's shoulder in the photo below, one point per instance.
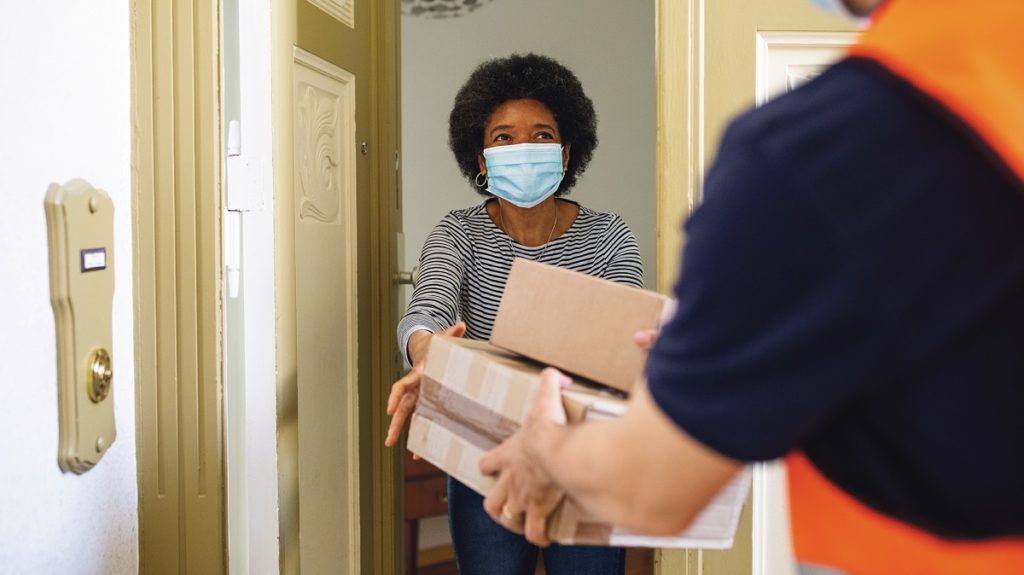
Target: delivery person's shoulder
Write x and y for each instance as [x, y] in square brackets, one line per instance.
[854, 111]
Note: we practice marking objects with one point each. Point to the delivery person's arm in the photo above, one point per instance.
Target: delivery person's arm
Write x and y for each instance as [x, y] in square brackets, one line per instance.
[640, 471]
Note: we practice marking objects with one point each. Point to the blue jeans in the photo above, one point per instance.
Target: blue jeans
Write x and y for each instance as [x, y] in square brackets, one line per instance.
[484, 547]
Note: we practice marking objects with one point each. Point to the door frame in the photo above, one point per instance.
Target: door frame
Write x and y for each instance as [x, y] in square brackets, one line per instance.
[680, 163]
[179, 295]
[176, 203]
[250, 393]
[385, 499]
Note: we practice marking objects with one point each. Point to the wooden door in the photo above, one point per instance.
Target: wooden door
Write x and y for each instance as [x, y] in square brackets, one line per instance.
[335, 64]
[716, 59]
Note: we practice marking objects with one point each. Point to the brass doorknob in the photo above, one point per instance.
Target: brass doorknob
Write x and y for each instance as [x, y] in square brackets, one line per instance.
[99, 375]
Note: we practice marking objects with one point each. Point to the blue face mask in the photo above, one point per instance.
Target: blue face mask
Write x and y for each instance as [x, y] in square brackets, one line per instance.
[834, 6]
[524, 174]
[840, 7]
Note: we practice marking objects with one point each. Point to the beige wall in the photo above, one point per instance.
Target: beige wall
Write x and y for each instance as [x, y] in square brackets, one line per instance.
[64, 113]
[609, 44]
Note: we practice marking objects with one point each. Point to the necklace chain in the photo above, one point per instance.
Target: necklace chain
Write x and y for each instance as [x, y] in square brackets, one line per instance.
[501, 222]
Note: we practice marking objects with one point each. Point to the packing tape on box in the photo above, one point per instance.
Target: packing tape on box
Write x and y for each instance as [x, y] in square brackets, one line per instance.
[570, 524]
[483, 379]
[494, 387]
[456, 368]
[436, 444]
[453, 456]
[498, 387]
[562, 522]
[445, 405]
[448, 451]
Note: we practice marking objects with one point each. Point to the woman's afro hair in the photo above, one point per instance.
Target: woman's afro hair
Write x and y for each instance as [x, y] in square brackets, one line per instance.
[523, 76]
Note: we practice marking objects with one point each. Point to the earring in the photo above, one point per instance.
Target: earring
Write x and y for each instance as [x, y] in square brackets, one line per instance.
[477, 181]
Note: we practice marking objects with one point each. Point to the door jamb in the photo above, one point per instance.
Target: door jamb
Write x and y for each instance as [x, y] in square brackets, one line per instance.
[176, 183]
[386, 491]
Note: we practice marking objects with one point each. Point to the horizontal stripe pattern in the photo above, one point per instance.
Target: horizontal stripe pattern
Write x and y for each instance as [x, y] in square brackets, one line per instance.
[466, 260]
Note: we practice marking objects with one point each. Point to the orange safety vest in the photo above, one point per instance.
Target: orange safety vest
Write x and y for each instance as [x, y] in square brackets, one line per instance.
[831, 529]
[968, 56]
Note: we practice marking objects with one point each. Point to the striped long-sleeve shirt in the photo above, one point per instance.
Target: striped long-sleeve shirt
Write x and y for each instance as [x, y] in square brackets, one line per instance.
[466, 260]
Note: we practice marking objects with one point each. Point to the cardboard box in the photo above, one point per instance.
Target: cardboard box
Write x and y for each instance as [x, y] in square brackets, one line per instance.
[473, 396]
[577, 323]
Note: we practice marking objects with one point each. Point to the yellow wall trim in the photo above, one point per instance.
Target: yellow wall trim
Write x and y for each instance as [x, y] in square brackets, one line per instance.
[177, 212]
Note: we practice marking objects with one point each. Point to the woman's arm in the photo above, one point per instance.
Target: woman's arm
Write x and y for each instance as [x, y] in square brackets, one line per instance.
[625, 265]
[406, 391]
[433, 309]
[435, 299]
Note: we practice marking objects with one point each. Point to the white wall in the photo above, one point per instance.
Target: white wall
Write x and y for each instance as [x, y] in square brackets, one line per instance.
[609, 44]
[64, 113]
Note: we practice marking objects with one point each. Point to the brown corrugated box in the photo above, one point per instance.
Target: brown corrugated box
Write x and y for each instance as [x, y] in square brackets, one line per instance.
[577, 323]
[474, 395]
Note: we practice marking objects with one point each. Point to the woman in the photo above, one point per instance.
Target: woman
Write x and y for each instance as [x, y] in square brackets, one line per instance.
[522, 131]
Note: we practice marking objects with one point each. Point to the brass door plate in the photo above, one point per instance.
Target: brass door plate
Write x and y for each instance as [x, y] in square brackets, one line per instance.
[80, 224]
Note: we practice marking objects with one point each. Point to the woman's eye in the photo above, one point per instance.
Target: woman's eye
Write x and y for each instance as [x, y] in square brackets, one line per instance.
[544, 136]
[502, 138]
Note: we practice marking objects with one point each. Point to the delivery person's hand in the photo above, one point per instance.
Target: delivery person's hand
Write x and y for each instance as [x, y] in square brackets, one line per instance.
[524, 495]
[406, 391]
[645, 339]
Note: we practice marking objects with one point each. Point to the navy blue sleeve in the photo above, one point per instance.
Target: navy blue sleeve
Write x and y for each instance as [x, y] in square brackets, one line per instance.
[777, 325]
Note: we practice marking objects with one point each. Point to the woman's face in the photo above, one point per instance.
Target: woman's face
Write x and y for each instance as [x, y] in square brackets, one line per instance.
[521, 122]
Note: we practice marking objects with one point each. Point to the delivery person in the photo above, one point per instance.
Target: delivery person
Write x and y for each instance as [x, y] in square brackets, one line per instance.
[851, 299]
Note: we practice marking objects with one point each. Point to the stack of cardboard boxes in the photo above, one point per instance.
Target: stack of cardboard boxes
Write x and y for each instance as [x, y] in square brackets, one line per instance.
[474, 394]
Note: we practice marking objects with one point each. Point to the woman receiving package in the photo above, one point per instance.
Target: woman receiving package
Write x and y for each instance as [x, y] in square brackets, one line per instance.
[522, 131]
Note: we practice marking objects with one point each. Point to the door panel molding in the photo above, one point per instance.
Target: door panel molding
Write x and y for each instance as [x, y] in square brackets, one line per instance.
[326, 295]
[325, 143]
[787, 59]
[342, 10]
[177, 219]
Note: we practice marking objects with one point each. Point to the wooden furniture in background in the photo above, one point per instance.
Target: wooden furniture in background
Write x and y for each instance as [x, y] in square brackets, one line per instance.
[426, 495]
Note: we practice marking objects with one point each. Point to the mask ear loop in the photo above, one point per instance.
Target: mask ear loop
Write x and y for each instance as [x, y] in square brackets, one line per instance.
[477, 181]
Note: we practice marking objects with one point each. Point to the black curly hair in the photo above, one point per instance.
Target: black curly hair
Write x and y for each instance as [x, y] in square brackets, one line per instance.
[522, 76]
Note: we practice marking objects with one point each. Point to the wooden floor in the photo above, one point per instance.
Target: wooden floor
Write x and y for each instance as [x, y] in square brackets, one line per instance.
[440, 562]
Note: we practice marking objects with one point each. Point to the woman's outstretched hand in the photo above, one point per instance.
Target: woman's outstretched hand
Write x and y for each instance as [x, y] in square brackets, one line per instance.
[406, 391]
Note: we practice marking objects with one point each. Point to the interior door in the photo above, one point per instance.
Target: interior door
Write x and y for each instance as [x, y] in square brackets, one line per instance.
[335, 112]
[716, 59]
